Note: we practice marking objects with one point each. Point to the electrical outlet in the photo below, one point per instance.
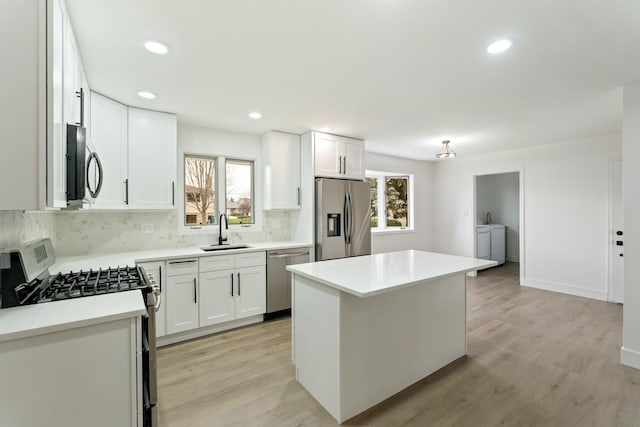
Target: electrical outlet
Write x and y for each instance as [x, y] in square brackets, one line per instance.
[147, 228]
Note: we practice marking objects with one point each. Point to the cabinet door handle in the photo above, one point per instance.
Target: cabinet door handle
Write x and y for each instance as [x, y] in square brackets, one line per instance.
[173, 193]
[344, 168]
[298, 196]
[238, 284]
[340, 165]
[195, 291]
[160, 277]
[126, 191]
[231, 284]
[80, 94]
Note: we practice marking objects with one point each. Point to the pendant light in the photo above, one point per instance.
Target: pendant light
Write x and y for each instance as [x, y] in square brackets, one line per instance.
[445, 152]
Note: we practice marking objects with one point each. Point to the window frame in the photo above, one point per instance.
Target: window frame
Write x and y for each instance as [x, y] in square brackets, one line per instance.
[220, 188]
[381, 177]
[216, 201]
[253, 189]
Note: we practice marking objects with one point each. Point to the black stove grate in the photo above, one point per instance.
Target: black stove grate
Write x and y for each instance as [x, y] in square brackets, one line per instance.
[93, 282]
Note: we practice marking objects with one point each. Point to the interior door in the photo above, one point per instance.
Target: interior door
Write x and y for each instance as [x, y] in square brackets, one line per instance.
[617, 237]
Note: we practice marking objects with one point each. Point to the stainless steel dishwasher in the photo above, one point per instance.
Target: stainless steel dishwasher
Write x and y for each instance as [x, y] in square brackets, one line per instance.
[279, 279]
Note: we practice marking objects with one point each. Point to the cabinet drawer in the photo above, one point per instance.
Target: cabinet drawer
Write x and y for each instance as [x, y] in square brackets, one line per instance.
[182, 266]
[251, 259]
[217, 262]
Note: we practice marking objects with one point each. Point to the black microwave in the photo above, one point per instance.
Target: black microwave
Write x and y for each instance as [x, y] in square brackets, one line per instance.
[84, 169]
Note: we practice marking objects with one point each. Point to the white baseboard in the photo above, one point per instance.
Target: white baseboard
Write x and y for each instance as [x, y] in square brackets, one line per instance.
[201, 332]
[565, 289]
[630, 357]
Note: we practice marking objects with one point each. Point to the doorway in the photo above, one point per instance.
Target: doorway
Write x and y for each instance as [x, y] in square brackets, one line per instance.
[616, 234]
[498, 219]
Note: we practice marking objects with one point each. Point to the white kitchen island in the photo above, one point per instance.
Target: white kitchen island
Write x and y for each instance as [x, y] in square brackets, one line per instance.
[365, 328]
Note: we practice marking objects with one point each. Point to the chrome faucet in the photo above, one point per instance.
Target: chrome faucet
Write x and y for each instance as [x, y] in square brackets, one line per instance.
[226, 226]
[488, 217]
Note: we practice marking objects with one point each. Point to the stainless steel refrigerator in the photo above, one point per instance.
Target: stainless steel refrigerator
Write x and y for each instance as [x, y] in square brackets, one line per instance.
[343, 210]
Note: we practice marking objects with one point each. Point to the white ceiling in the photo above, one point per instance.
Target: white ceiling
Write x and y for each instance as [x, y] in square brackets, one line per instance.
[402, 74]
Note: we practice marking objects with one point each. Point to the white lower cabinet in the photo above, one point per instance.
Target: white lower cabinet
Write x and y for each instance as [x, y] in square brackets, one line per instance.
[217, 297]
[182, 295]
[251, 298]
[232, 287]
[232, 294]
[213, 290]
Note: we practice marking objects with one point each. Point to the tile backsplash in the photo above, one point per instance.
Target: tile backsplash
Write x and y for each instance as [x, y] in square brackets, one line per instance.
[17, 227]
[77, 233]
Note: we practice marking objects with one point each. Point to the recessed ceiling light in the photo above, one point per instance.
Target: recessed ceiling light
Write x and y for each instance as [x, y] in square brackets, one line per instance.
[499, 46]
[325, 129]
[146, 95]
[156, 47]
[255, 115]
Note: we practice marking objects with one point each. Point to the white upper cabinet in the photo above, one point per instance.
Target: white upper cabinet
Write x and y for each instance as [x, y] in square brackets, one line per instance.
[68, 101]
[281, 158]
[338, 157]
[109, 140]
[57, 165]
[138, 150]
[152, 160]
[353, 163]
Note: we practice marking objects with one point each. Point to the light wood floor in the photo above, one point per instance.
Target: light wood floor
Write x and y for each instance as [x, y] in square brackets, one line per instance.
[536, 358]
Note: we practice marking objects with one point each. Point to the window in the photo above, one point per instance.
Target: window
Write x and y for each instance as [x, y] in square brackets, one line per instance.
[199, 189]
[239, 191]
[206, 179]
[391, 199]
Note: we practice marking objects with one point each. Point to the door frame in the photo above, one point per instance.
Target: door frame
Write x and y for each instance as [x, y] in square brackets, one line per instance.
[521, 215]
[610, 228]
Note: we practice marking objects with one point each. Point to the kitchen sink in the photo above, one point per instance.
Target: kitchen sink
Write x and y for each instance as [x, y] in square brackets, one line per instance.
[226, 247]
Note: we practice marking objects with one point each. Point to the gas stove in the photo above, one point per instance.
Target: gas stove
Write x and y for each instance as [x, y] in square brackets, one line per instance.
[81, 284]
[25, 278]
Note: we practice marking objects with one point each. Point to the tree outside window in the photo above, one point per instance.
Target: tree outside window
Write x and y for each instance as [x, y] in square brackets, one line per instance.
[390, 199]
[199, 189]
[373, 182]
[239, 189]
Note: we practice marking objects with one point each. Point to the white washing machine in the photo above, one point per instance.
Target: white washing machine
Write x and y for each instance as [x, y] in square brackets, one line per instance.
[483, 241]
[498, 242]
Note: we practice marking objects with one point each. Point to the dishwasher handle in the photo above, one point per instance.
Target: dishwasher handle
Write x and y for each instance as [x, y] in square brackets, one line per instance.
[286, 255]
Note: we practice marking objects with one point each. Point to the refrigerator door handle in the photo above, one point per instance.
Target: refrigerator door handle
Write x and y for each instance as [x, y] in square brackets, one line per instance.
[350, 215]
[346, 222]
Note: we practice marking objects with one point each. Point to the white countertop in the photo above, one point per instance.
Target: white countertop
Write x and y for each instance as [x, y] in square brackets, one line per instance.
[369, 275]
[85, 262]
[36, 319]
[44, 318]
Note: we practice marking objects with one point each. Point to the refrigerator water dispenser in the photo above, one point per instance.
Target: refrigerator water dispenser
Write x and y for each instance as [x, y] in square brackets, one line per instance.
[333, 225]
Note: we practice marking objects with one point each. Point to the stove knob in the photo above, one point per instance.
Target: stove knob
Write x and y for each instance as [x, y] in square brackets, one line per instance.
[156, 288]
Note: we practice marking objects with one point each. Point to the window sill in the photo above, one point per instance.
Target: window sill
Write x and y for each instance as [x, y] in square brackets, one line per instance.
[392, 231]
[213, 229]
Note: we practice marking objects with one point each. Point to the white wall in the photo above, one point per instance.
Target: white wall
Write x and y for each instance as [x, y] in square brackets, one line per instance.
[565, 197]
[218, 143]
[421, 236]
[499, 195]
[630, 354]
